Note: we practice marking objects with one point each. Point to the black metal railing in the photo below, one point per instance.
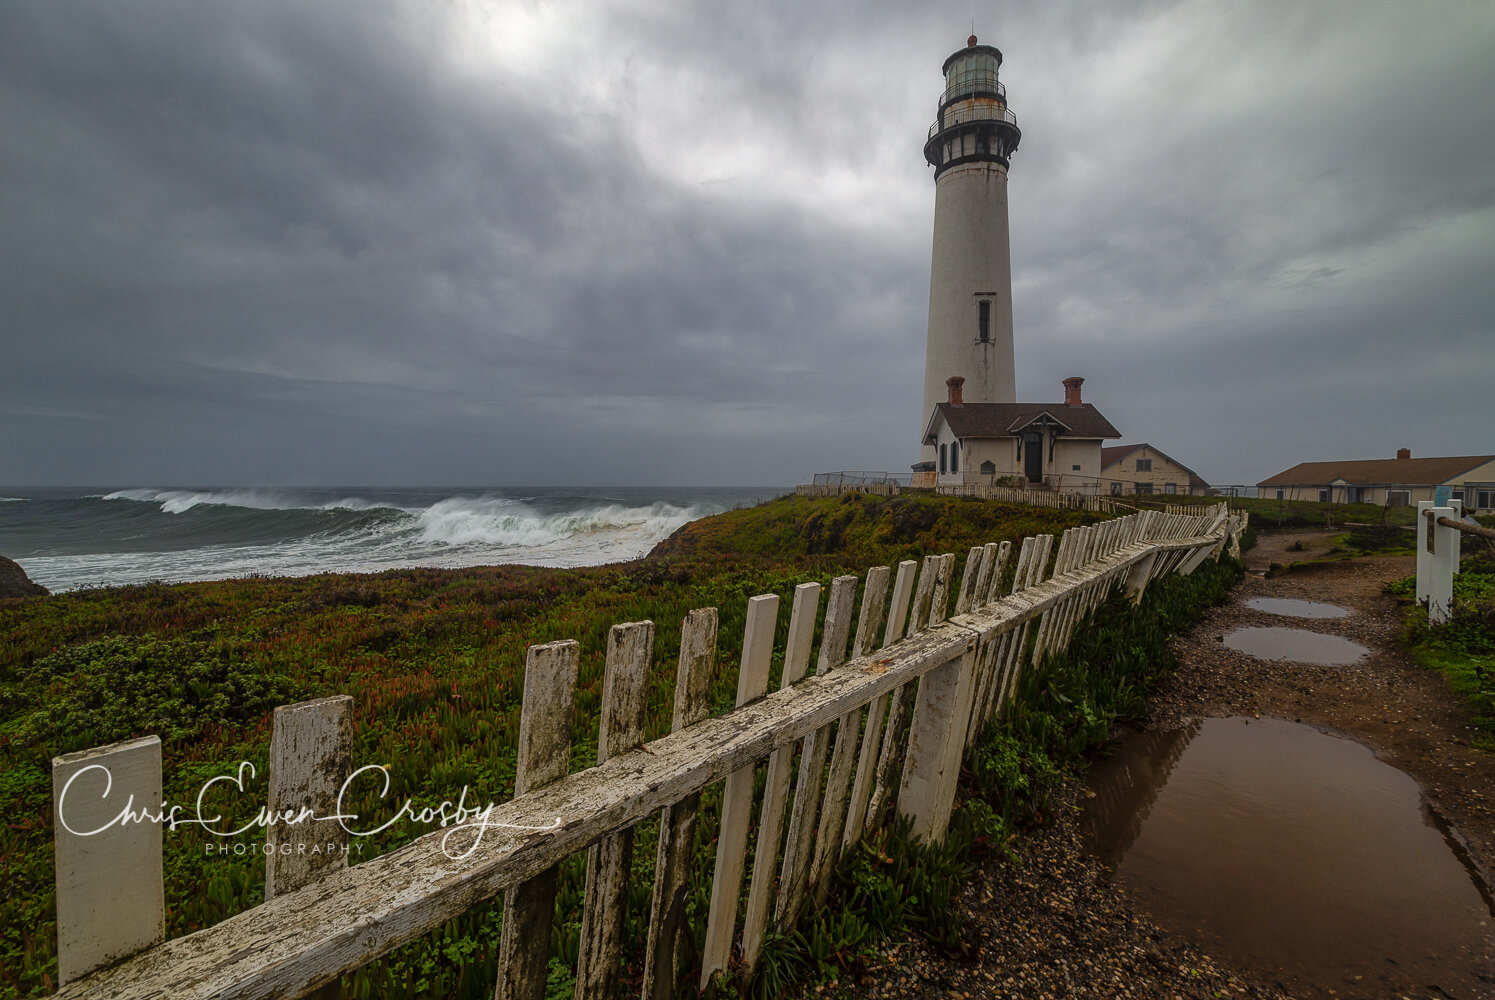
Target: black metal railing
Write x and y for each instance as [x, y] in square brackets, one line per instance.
[975, 113]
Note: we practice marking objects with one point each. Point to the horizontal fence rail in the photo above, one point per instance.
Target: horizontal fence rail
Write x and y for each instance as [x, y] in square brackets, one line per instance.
[1038, 498]
[898, 691]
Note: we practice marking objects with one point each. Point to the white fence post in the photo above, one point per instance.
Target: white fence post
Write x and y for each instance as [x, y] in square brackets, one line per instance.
[311, 757]
[110, 899]
[1441, 562]
[1424, 548]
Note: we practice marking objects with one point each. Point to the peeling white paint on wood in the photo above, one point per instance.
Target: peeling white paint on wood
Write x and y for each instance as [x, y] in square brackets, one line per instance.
[110, 900]
[737, 796]
[311, 758]
[677, 823]
[807, 792]
[609, 863]
[776, 784]
[544, 757]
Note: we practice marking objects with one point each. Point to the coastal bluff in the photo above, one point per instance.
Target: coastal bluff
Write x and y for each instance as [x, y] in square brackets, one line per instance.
[15, 583]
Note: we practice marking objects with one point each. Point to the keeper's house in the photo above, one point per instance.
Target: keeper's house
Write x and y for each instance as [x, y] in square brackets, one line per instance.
[1130, 469]
[1395, 482]
[1030, 445]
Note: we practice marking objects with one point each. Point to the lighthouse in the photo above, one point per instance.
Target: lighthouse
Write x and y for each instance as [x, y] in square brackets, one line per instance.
[970, 280]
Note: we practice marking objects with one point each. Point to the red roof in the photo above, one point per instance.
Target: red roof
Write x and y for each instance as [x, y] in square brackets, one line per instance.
[989, 420]
[1379, 471]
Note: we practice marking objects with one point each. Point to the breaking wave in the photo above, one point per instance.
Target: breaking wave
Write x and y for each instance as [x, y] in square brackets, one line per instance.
[142, 534]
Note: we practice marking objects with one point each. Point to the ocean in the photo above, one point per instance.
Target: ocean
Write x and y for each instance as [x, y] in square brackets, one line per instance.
[71, 538]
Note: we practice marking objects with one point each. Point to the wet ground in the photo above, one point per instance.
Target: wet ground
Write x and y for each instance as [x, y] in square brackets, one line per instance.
[1294, 608]
[1052, 921]
[1279, 846]
[1295, 645]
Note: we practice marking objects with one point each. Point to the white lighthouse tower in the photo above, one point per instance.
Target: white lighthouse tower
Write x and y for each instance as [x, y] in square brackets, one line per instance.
[970, 281]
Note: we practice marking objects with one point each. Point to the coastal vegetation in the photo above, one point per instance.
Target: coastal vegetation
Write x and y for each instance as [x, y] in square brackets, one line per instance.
[1270, 513]
[1463, 648]
[433, 660]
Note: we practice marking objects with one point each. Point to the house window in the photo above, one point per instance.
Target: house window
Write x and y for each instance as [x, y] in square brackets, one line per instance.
[1398, 498]
[1323, 496]
[1076, 468]
[1116, 489]
[1484, 499]
[1142, 488]
[983, 322]
[1170, 487]
[1456, 495]
[955, 457]
[942, 460]
[1280, 494]
[1144, 465]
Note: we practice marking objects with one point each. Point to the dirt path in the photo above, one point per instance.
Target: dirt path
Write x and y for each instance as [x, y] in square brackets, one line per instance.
[1053, 923]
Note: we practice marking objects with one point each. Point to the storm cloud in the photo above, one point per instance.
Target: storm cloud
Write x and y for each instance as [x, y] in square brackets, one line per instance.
[618, 243]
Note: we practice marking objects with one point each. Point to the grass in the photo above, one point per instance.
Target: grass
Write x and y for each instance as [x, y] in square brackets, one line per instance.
[433, 660]
[1266, 512]
[1462, 649]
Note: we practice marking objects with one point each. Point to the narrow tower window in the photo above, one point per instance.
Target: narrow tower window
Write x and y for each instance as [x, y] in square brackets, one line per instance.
[983, 322]
[955, 457]
[942, 460]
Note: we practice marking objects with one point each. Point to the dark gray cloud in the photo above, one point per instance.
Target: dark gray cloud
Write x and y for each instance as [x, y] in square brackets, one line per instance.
[405, 242]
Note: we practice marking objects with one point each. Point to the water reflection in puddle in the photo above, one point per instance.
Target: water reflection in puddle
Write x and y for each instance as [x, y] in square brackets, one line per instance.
[1296, 644]
[1282, 847]
[1294, 608]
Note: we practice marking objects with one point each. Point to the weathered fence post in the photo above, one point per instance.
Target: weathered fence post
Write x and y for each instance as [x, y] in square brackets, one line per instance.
[311, 756]
[737, 795]
[110, 898]
[624, 685]
[848, 733]
[677, 823]
[834, 636]
[544, 757]
[1424, 549]
[1442, 559]
[931, 766]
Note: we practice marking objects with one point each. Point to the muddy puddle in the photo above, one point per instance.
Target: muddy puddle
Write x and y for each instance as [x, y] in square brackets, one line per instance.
[1279, 847]
[1293, 608]
[1296, 644]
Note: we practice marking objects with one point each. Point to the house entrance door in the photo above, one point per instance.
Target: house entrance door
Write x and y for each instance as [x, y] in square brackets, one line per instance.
[1033, 456]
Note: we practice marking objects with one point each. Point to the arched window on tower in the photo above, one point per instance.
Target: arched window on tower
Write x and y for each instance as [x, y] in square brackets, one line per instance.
[983, 322]
[942, 460]
[955, 457]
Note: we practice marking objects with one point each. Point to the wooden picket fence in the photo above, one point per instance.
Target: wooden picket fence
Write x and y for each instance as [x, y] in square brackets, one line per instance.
[899, 691]
[1064, 500]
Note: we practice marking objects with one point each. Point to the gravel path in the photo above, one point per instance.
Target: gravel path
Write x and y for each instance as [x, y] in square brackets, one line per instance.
[1052, 922]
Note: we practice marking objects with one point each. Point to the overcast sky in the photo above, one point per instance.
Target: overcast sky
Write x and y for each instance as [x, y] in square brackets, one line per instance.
[650, 242]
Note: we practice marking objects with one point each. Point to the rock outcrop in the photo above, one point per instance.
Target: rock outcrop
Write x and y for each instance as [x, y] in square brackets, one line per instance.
[15, 583]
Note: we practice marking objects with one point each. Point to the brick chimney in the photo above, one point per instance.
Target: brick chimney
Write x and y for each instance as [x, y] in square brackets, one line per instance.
[1402, 453]
[1072, 390]
[953, 383]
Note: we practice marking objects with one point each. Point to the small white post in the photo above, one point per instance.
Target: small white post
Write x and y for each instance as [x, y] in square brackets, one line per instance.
[1424, 548]
[935, 742]
[1443, 559]
[110, 900]
[311, 756]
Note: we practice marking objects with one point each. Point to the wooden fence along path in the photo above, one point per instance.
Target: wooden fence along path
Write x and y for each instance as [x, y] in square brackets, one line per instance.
[899, 691]
[1064, 500]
